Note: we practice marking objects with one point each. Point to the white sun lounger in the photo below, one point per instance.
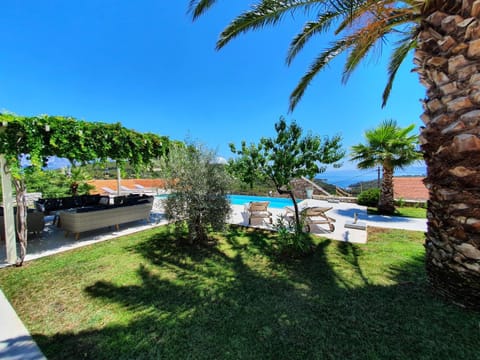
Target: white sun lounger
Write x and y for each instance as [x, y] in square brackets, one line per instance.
[143, 190]
[109, 191]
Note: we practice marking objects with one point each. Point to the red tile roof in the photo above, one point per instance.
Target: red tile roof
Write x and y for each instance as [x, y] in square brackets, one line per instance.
[410, 188]
[129, 183]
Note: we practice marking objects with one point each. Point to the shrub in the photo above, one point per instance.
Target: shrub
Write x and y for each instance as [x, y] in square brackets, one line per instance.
[369, 197]
[291, 242]
[400, 202]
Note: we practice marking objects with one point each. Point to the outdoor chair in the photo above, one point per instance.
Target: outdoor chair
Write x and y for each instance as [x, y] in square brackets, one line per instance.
[313, 215]
[258, 212]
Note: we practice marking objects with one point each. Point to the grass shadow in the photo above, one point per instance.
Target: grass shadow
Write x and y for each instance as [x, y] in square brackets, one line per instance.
[237, 301]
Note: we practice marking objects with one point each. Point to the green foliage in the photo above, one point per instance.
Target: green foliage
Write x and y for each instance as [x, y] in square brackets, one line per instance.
[387, 145]
[360, 186]
[39, 137]
[51, 183]
[248, 167]
[57, 183]
[290, 241]
[369, 197]
[199, 188]
[288, 156]
[77, 180]
[260, 188]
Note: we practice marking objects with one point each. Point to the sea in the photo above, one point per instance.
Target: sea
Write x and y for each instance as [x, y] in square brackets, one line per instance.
[346, 177]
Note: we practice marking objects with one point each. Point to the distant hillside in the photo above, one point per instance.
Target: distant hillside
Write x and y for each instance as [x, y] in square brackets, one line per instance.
[360, 186]
[347, 177]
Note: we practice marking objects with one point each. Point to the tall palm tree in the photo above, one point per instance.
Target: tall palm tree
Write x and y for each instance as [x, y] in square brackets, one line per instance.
[390, 147]
[445, 38]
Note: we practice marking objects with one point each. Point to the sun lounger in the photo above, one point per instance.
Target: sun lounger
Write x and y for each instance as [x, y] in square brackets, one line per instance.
[143, 190]
[313, 215]
[257, 212]
[128, 190]
[316, 215]
[109, 191]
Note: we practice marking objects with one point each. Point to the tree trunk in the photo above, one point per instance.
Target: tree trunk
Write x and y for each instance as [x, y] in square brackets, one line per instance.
[448, 60]
[386, 204]
[298, 225]
[21, 219]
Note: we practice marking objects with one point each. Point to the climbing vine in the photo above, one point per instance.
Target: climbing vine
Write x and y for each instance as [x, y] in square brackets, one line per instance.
[39, 137]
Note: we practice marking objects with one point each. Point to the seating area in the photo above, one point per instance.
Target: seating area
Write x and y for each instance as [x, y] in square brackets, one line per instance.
[313, 214]
[89, 212]
[51, 205]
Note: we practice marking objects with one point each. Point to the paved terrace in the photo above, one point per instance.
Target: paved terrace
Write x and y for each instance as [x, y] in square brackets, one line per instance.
[15, 340]
[52, 240]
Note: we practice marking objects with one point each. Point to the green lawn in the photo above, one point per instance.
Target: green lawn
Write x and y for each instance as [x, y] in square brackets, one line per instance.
[406, 211]
[142, 296]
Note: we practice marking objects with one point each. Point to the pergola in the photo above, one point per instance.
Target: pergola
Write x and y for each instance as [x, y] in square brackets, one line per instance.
[42, 136]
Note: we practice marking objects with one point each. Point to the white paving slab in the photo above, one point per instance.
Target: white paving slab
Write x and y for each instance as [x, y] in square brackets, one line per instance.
[15, 340]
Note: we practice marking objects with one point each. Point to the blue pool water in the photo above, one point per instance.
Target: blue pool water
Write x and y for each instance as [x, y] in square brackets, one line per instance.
[278, 203]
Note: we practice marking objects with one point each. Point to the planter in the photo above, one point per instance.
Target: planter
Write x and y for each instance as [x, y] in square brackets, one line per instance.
[309, 193]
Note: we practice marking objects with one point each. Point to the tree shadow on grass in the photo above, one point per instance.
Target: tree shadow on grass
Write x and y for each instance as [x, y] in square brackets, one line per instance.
[259, 241]
[207, 303]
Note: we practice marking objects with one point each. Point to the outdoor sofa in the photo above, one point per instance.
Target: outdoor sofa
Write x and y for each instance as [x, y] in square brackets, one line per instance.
[92, 212]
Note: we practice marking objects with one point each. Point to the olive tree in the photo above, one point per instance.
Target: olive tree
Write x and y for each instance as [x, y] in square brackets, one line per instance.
[198, 199]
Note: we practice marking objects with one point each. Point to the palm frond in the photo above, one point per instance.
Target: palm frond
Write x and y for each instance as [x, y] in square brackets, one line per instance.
[319, 63]
[199, 7]
[382, 23]
[310, 29]
[387, 142]
[357, 11]
[399, 54]
[357, 54]
[267, 12]
[365, 23]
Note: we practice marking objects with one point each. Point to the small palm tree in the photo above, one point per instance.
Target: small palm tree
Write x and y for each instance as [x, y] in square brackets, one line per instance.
[78, 181]
[390, 147]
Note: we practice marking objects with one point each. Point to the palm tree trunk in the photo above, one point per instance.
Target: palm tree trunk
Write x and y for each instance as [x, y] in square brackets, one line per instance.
[386, 204]
[448, 60]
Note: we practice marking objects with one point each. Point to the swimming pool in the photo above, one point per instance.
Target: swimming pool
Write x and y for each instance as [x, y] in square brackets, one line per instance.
[278, 203]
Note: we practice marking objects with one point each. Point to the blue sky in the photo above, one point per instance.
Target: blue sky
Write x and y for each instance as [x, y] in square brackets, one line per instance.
[147, 65]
